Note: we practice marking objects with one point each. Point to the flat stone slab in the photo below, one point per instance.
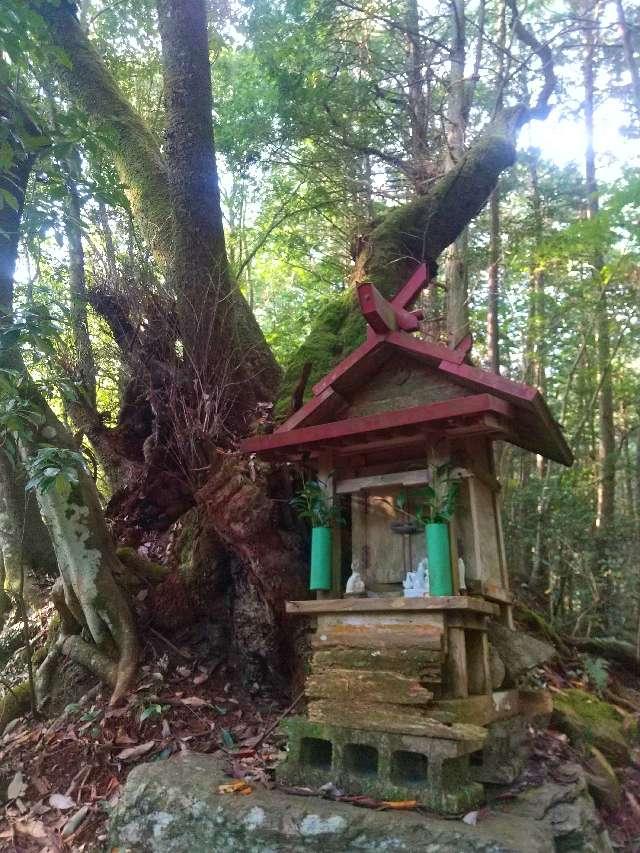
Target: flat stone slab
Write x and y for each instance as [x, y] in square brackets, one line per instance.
[173, 806]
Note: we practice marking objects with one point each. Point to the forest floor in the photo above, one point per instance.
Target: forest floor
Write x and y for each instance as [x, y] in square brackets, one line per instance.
[64, 774]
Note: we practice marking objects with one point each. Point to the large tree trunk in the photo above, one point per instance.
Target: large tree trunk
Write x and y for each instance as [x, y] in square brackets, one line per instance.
[175, 196]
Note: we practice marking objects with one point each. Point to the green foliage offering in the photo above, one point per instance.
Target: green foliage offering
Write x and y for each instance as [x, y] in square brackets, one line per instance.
[55, 468]
[440, 497]
[311, 503]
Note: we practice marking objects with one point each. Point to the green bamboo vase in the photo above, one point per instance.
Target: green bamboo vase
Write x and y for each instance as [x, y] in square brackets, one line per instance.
[439, 554]
[320, 558]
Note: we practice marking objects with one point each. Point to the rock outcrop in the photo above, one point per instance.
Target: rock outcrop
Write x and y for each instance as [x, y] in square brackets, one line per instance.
[174, 805]
[518, 652]
[589, 721]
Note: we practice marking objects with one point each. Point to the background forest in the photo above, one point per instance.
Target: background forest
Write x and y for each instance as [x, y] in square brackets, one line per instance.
[121, 371]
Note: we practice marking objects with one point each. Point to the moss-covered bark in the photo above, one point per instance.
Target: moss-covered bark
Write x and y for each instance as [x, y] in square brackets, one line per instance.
[407, 236]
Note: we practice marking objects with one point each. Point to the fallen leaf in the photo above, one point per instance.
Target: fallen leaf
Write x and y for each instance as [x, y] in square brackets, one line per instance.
[400, 805]
[17, 787]
[470, 818]
[194, 701]
[61, 801]
[136, 751]
[74, 821]
[239, 787]
[200, 678]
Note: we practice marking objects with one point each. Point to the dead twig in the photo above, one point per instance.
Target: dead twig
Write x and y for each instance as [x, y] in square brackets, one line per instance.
[168, 643]
[278, 720]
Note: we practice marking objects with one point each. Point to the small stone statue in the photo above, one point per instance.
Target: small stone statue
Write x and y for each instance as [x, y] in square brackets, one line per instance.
[416, 584]
[355, 584]
[462, 578]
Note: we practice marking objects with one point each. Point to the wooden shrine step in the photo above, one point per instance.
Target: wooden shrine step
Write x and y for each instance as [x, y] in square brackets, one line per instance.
[378, 637]
[423, 664]
[380, 686]
[387, 717]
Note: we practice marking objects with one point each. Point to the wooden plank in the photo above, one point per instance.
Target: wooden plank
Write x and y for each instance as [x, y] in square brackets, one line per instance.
[393, 605]
[392, 718]
[377, 686]
[457, 676]
[491, 591]
[466, 619]
[394, 637]
[382, 422]
[482, 709]
[382, 315]
[377, 481]
[423, 664]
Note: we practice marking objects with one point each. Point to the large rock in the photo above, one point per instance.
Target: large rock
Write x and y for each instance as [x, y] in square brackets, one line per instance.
[174, 806]
[589, 721]
[564, 806]
[518, 652]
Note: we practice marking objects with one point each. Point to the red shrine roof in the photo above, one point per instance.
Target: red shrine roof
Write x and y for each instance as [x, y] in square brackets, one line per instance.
[393, 393]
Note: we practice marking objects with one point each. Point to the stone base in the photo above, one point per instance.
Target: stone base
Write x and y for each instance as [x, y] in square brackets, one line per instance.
[174, 806]
[505, 752]
[384, 765]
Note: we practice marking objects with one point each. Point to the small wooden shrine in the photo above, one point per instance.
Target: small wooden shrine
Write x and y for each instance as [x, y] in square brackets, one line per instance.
[401, 695]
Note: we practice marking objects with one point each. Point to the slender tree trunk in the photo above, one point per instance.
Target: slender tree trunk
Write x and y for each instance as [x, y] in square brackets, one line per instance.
[493, 345]
[456, 264]
[632, 64]
[86, 366]
[83, 547]
[606, 443]
[605, 510]
[417, 102]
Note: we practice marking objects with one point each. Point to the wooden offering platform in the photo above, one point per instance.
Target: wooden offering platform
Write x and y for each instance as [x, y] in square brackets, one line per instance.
[391, 657]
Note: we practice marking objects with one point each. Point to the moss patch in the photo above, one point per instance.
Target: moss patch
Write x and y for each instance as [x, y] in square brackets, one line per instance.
[338, 330]
[588, 721]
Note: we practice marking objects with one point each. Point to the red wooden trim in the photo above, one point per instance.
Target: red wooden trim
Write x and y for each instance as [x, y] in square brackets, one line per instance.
[347, 363]
[430, 352]
[381, 315]
[408, 292]
[322, 400]
[375, 309]
[483, 380]
[326, 433]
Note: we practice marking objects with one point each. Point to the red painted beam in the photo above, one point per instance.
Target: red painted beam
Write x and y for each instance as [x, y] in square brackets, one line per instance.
[429, 352]
[484, 380]
[323, 405]
[381, 315]
[379, 423]
[369, 346]
[405, 297]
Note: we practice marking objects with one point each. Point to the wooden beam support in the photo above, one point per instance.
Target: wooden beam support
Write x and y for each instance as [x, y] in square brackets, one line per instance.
[457, 663]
